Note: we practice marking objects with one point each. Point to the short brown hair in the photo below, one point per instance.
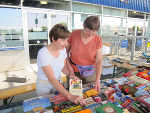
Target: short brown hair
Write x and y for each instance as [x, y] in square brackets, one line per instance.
[59, 31]
[92, 22]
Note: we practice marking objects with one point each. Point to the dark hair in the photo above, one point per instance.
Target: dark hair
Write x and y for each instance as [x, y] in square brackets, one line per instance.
[59, 31]
[92, 23]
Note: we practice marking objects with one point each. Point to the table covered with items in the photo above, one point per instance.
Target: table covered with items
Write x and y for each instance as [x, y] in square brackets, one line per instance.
[117, 95]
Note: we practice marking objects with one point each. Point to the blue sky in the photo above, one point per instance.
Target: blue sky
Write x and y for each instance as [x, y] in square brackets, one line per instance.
[10, 17]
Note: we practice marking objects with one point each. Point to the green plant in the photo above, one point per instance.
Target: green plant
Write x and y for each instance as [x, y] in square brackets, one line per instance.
[44, 28]
[138, 28]
[63, 23]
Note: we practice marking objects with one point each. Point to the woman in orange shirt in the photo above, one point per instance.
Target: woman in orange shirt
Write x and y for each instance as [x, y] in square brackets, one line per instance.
[84, 52]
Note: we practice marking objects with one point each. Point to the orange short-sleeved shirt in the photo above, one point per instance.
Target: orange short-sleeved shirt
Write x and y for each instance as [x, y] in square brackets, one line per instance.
[80, 53]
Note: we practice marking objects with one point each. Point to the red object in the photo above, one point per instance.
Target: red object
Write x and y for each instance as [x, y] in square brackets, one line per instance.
[110, 98]
[130, 82]
[109, 91]
[128, 74]
[126, 103]
[127, 2]
[56, 108]
[120, 87]
[58, 99]
[139, 74]
[144, 75]
[140, 86]
[97, 99]
[127, 90]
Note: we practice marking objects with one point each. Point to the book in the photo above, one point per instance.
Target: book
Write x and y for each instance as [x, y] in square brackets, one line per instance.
[36, 104]
[57, 99]
[93, 107]
[71, 109]
[45, 110]
[138, 107]
[145, 99]
[123, 100]
[108, 108]
[75, 87]
[85, 111]
[89, 101]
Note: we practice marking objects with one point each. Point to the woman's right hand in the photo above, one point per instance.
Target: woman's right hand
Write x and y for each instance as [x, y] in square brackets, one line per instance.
[77, 100]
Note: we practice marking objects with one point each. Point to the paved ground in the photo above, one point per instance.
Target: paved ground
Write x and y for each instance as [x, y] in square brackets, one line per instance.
[9, 80]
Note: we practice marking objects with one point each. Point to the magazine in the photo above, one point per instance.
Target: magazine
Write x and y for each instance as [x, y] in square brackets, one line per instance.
[36, 104]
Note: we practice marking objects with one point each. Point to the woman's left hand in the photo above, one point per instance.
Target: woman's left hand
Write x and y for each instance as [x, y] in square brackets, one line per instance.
[97, 85]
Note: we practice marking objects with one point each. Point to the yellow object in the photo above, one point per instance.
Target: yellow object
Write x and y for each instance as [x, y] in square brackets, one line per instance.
[84, 111]
[90, 93]
[125, 111]
[84, 96]
[71, 109]
[43, 2]
[148, 44]
[37, 109]
[147, 88]
[17, 91]
[64, 79]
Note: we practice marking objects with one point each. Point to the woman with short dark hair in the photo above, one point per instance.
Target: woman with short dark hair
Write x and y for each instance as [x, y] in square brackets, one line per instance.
[84, 52]
[51, 61]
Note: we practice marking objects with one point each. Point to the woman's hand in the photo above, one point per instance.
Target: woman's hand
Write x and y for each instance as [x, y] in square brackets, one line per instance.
[77, 100]
[72, 76]
[97, 85]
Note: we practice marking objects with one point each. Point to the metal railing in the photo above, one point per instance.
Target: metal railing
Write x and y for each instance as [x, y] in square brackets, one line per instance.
[127, 47]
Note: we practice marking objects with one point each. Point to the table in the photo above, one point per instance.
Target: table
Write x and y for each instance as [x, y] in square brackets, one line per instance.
[147, 58]
[137, 63]
[122, 67]
[10, 93]
[18, 107]
[127, 65]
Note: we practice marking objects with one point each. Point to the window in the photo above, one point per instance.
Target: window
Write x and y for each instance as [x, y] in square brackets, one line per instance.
[85, 8]
[113, 26]
[114, 12]
[78, 19]
[12, 54]
[11, 32]
[148, 26]
[135, 27]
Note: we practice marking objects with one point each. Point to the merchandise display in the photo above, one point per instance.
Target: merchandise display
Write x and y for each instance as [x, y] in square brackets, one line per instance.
[118, 95]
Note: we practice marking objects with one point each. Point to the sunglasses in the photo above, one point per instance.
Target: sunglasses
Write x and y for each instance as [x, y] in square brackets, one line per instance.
[62, 28]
